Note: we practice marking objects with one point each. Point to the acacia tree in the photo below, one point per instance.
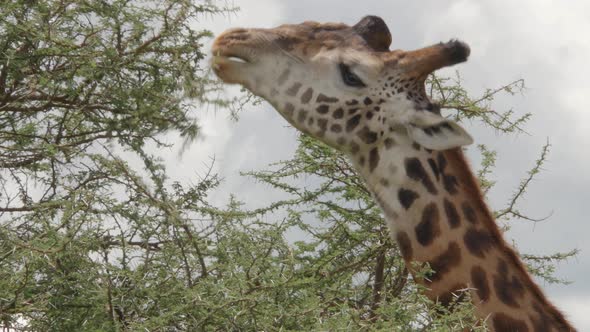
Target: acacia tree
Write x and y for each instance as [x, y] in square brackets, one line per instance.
[80, 228]
[89, 242]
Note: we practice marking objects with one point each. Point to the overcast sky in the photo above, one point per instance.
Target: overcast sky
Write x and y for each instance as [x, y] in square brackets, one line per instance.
[544, 42]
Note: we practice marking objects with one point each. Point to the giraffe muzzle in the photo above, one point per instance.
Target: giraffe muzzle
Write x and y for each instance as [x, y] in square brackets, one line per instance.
[231, 46]
[229, 55]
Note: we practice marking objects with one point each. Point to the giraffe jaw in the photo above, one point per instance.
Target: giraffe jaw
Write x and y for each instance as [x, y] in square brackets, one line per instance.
[224, 55]
[227, 64]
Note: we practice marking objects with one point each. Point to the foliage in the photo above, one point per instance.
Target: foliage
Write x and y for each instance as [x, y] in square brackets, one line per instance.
[95, 236]
[83, 83]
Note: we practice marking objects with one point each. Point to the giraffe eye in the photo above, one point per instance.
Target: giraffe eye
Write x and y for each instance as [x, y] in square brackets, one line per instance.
[350, 78]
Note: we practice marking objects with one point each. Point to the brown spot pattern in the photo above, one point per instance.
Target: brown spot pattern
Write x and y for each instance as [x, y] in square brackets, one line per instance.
[336, 128]
[294, 89]
[325, 99]
[504, 323]
[508, 290]
[306, 96]
[338, 114]
[450, 182]
[452, 215]
[549, 320]
[289, 109]
[407, 197]
[323, 109]
[283, 77]
[367, 136]
[428, 228]
[405, 245]
[445, 262]
[302, 116]
[352, 123]
[469, 212]
[373, 159]
[480, 283]
[416, 172]
[541, 321]
[434, 168]
[478, 242]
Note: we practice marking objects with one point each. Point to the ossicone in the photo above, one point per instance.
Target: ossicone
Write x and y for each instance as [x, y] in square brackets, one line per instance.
[375, 32]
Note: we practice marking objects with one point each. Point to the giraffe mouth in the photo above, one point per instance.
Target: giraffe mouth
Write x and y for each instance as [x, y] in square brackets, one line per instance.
[230, 64]
[230, 58]
[236, 59]
[224, 56]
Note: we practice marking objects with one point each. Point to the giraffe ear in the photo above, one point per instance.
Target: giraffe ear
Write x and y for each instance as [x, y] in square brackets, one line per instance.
[435, 132]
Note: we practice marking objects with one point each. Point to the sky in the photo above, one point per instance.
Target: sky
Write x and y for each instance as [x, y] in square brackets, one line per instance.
[544, 42]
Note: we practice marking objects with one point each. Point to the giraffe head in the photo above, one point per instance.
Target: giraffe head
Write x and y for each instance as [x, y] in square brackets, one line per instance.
[341, 84]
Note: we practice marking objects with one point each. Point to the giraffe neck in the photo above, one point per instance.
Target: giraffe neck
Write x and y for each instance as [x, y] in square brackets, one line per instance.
[436, 213]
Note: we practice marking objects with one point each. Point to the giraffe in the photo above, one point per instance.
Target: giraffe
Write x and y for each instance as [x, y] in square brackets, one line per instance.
[342, 85]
